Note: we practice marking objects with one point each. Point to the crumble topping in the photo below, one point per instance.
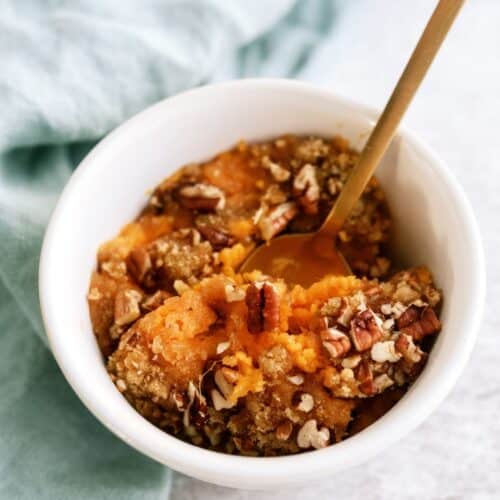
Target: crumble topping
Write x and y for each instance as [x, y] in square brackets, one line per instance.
[244, 363]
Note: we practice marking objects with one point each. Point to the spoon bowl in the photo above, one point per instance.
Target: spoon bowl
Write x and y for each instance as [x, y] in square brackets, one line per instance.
[301, 259]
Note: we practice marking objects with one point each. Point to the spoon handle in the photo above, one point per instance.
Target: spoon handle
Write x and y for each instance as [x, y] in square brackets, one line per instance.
[381, 136]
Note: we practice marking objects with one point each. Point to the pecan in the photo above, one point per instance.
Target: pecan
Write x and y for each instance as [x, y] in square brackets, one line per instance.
[364, 330]
[218, 237]
[222, 347]
[331, 307]
[203, 197]
[419, 322]
[253, 300]
[309, 435]
[406, 347]
[284, 430]
[351, 361]
[156, 300]
[409, 316]
[127, 306]
[364, 376]
[196, 409]
[306, 189]
[223, 384]
[139, 264]
[114, 268]
[279, 173]
[276, 221]
[220, 402]
[271, 307]
[296, 379]
[384, 351]
[303, 401]
[383, 382]
[274, 195]
[311, 149]
[263, 303]
[335, 342]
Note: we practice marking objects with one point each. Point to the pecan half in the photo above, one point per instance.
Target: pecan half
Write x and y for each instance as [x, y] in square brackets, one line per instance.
[203, 197]
[306, 189]
[364, 330]
[419, 322]
[276, 221]
[253, 300]
[218, 237]
[263, 303]
[364, 376]
[127, 306]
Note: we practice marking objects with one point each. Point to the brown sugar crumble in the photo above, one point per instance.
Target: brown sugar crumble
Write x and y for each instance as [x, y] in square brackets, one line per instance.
[244, 363]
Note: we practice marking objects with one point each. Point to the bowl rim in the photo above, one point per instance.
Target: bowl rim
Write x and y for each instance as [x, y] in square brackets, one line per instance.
[206, 464]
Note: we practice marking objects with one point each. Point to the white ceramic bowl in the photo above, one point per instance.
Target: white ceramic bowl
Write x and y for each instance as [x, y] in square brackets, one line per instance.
[434, 226]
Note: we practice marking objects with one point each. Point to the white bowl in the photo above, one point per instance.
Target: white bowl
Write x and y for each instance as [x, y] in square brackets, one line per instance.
[434, 225]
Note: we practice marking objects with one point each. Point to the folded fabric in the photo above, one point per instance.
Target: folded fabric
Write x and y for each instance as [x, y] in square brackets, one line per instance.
[71, 71]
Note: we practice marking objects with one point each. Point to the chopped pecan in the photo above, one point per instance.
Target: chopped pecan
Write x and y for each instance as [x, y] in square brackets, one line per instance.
[303, 401]
[364, 376]
[196, 411]
[139, 264]
[127, 306]
[311, 149]
[220, 402]
[419, 322]
[309, 435]
[156, 300]
[276, 221]
[335, 342]
[296, 379]
[284, 430]
[306, 189]
[409, 316]
[263, 303]
[406, 347]
[223, 384]
[218, 237]
[279, 173]
[383, 382]
[385, 351]
[364, 330]
[114, 268]
[203, 197]
[222, 347]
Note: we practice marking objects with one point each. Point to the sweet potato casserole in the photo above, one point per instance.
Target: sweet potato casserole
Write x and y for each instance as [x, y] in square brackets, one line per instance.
[244, 363]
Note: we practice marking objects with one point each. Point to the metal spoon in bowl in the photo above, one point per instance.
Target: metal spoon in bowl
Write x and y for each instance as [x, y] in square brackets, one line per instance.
[305, 258]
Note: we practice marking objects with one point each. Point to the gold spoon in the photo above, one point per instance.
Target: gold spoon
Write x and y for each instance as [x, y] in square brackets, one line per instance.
[307, 257]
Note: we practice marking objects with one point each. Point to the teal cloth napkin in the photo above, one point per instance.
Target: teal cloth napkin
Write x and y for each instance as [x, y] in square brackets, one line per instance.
[71, 71]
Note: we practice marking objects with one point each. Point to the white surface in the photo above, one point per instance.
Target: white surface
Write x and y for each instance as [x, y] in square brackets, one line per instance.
[455, 454]
[416, 182]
